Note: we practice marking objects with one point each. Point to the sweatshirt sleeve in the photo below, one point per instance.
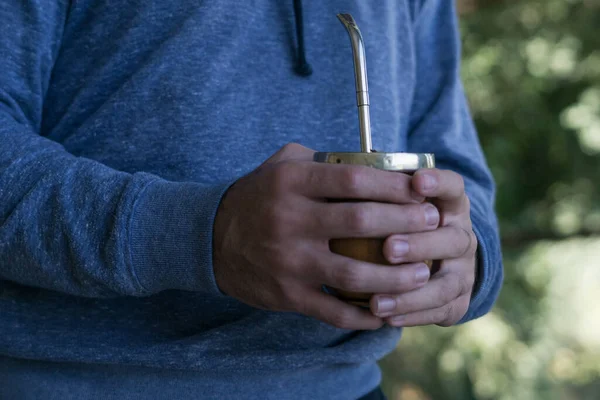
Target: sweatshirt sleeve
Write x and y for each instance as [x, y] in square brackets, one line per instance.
[71, 224]
[440, 123]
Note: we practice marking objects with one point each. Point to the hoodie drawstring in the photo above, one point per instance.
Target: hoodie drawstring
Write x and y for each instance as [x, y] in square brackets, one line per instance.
[303, 68]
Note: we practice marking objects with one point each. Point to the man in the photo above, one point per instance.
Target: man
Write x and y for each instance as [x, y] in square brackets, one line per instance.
[148, 250]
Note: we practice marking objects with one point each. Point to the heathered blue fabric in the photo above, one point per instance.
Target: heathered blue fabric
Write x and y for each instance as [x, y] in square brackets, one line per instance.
[122, 124]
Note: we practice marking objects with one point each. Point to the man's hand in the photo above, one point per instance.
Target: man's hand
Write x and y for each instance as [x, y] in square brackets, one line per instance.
[444, 300]
[272, 232]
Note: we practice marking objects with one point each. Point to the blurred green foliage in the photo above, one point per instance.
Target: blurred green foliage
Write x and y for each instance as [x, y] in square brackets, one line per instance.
[532, 73]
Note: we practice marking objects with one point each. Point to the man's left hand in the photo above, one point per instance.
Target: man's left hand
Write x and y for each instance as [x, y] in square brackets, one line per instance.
[444, 300]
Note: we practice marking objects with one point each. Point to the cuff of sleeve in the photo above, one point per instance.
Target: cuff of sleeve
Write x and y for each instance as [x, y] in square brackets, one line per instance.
[171, 236]
[489, 269]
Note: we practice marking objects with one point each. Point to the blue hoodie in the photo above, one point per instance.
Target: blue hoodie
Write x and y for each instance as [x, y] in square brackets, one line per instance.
[122, 124]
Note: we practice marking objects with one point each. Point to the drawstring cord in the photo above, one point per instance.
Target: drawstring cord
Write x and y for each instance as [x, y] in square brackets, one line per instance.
[303, 68]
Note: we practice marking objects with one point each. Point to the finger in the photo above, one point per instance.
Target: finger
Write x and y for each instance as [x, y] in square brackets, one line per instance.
[368, 219]
[447, 315]
[333, 311]
[332, 181]
[351, 275]
[291, 152]
[447, 242]
[441, 290]
[446, 186]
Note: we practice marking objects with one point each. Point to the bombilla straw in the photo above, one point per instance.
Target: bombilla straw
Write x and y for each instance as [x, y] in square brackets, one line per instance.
[360, 74]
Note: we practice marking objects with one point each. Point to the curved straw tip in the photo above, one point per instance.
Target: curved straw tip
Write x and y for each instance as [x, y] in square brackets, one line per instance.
[349, 23]
[346, 18]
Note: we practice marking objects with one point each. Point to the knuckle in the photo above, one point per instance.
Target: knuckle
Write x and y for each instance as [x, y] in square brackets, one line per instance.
[466, 242]
[348, 278]
[291, 148]
[359, 218]
[447, 316]
[352, 180]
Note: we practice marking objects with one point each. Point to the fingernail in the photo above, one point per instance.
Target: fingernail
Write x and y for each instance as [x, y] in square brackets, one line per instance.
[398, 320]
[399, 248]
[422, 274]
[385, 304]
[429, 182]
[432, 216]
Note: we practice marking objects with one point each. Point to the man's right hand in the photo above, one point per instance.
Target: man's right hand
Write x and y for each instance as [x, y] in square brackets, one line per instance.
[272, 232]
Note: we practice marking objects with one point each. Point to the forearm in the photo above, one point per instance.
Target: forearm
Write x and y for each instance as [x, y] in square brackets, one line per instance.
[77, 226]
[72, 224]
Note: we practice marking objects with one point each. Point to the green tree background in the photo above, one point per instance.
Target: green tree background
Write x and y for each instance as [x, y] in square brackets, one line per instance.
[532, 73]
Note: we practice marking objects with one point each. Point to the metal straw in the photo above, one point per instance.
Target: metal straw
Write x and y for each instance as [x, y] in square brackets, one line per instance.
[360, 73]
